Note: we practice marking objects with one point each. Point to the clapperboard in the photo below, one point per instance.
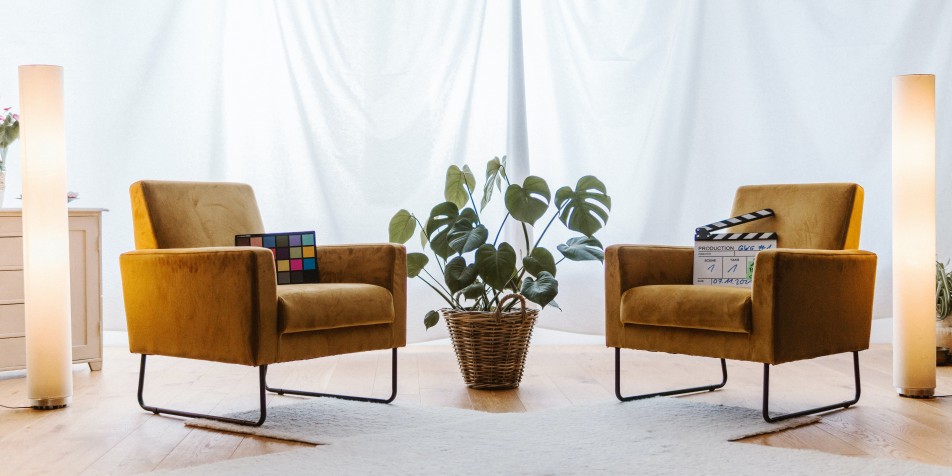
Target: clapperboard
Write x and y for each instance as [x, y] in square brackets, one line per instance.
[727, 259]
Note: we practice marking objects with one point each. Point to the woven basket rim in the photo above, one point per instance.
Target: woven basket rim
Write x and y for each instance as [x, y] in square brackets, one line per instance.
[508, 317]
[449, 310]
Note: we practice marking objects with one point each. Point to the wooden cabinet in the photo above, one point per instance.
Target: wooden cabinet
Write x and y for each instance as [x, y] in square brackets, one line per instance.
[85, 267]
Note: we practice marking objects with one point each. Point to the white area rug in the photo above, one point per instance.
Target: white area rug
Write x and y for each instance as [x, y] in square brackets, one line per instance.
[326, 420]
[656, 436]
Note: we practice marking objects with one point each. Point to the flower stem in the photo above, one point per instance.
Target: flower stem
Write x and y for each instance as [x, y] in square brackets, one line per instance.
[472, 201]
[438, 282]
[500, 228]
[448, 300]
[427, 235]
[539, 240]
[525, 232]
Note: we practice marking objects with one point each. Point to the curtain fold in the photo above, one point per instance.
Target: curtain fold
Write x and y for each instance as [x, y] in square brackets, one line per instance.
[370, 102]
[339, 113]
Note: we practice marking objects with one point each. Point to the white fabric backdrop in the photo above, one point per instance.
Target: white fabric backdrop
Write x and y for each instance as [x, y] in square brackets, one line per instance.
[677, 104]
[340, 112]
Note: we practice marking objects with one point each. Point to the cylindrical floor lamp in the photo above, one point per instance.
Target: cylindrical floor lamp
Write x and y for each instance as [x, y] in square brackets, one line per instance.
[913, 234]
[49, 346]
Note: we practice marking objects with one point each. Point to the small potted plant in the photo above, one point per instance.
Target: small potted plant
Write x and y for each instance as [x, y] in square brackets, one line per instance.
[482, 279]
[9, 133]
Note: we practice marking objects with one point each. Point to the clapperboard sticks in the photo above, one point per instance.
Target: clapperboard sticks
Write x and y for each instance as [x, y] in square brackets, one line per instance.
[704, 233]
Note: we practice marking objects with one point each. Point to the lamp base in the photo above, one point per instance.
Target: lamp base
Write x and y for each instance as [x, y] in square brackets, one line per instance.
[50, 403]
[916, 392]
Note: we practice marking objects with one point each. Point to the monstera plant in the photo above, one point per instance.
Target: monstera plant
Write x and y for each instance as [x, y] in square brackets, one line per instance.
[475, 267]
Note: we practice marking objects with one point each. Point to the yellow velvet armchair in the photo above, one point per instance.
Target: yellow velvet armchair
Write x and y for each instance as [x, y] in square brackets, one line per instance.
[190, 293]
[813, 296]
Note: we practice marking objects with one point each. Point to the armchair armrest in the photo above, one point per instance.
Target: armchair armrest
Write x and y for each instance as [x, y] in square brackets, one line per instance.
[383, 264]
[629, 266]
[217, 303]
[809, 303]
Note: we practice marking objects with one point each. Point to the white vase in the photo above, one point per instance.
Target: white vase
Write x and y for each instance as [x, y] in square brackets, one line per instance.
[943, 333]
[3, 185]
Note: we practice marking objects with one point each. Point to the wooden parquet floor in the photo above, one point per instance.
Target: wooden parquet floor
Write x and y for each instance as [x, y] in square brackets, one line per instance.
[105, 432]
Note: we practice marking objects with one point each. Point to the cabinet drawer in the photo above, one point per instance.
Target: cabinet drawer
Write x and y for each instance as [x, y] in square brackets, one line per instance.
[11, 285]
[12, 323]
[11, 224]
[12, 353]
[11, 251]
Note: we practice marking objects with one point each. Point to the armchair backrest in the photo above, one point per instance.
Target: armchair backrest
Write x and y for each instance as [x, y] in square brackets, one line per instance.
[824, 216]
[192, 214]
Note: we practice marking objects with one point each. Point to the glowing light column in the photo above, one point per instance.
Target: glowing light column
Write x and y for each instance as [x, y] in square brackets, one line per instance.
[913, 234]
[49, 345]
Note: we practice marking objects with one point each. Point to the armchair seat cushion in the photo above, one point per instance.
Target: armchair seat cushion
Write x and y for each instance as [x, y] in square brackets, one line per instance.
[688, 306]
[321, 306]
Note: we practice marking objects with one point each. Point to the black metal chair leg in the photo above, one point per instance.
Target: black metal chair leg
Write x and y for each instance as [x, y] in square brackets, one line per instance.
[262, 374]
[393, 390]
[811, 411]
[705, 388]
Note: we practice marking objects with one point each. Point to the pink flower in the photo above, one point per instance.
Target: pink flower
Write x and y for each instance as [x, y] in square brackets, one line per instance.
[8, 108]
[16, 117]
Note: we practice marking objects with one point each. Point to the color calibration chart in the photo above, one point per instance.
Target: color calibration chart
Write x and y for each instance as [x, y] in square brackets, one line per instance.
[295, 256]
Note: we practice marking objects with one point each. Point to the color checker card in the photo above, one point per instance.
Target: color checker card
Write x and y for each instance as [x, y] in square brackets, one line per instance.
[295, 257]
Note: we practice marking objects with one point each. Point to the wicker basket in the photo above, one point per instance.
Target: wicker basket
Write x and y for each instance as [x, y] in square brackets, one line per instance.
[491, 346]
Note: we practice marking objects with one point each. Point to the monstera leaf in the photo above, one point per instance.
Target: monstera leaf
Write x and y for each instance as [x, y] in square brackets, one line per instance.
[496, 265]
[423, 238]
[431, 319]
[582, 248]
[527, 203]
[539, 260]
[495, 174]
[475, 290]
[541, 290]
[442, 218]
[459, 184]
[402, 226]
[584, 209]
[465, 236]
[415, 263]
[458, 274]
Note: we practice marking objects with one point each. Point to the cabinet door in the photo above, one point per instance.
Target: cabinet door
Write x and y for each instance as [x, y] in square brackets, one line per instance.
[85, 300]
